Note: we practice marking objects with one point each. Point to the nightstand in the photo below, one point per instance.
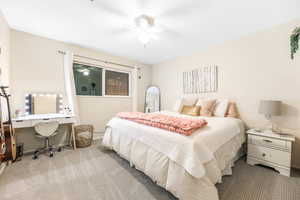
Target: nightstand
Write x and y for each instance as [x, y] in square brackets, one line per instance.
[270, 149]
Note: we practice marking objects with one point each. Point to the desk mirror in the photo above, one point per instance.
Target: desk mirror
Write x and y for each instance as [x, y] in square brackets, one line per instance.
[40, 103]
[152, 99]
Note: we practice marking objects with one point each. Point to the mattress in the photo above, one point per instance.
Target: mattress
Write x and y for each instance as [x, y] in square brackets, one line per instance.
[222, 144]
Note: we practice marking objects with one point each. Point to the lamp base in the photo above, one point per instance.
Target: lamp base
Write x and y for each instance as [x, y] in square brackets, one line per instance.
[273, 128]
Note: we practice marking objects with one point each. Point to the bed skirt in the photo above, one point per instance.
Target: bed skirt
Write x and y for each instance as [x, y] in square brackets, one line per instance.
[171, 176]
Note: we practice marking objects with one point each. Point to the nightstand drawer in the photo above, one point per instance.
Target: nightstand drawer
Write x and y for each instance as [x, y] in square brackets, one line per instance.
[271, 155]
[268, 142]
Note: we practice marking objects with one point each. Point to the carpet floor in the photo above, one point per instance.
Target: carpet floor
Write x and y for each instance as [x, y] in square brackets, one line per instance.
[98, 174]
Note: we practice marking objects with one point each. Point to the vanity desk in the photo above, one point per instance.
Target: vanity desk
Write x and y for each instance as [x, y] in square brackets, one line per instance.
[29, 121]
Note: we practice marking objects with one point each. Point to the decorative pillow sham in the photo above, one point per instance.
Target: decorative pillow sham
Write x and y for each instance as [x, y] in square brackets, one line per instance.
[187, 101]
[221, 107]
[207, 106]
[232, 110]
[191, 110]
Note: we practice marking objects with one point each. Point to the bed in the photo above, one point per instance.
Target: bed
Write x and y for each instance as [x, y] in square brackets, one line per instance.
[187, 166]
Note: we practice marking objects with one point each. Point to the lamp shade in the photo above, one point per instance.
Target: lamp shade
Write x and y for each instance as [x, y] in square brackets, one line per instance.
[270, 108]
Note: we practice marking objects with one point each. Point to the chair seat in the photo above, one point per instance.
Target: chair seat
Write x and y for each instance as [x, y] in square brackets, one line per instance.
[46, 129]
[42, 136]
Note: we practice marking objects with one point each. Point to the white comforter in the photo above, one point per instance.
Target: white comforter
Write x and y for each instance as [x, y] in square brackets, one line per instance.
[189, 152]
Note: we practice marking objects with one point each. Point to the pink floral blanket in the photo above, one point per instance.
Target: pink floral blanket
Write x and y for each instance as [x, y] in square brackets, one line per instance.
[183, 126]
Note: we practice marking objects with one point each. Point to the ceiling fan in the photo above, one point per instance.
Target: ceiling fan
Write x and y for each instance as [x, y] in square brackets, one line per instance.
[145, 27]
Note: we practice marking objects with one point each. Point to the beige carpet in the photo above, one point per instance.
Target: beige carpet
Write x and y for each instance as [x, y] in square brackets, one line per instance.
[98, 174]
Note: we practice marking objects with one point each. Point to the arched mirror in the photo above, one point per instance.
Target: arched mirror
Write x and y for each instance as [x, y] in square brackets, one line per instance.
[152, 99]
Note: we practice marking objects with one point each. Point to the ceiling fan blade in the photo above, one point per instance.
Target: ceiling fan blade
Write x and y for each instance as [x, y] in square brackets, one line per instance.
[118, 31]
[106, 7]
[121, 33]
[167, 31]
[172, 33]
[186, 9]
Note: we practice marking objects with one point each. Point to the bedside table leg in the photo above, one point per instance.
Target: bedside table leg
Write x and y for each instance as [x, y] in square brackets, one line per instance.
[284, 172]
[252, 162]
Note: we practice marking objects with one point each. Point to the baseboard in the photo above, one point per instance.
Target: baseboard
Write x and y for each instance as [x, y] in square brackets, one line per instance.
[296, 167]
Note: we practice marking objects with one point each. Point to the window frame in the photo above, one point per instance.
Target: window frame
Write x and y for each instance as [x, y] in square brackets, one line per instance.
[103, 95]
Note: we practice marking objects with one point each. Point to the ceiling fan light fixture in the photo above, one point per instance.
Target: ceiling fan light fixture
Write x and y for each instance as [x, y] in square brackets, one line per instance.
[144, 24]
[145, 29]
[144, 38]
[144, 21]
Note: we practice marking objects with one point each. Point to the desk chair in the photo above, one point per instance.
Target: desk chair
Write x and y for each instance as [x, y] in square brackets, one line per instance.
[46, 130]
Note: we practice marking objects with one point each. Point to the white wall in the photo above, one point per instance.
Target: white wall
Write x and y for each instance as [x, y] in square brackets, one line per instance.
[5, 50]
[4, 63]
[36, 66]
[250, 69]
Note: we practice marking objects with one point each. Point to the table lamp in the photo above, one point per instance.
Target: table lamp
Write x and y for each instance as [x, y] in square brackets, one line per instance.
[270, 108]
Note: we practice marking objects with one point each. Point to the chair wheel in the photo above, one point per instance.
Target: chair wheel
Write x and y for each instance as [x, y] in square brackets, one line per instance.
[35, 157]
[59, 149]
[51, 154]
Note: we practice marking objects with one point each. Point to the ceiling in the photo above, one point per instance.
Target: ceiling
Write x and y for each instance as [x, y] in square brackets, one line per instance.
[188, 25]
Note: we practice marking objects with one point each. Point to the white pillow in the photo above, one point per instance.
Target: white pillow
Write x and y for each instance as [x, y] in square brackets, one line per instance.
[178, 105]
[221, 107]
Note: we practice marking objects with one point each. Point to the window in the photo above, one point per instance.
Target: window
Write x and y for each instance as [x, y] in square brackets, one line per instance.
[116, 83]
[90, 80]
